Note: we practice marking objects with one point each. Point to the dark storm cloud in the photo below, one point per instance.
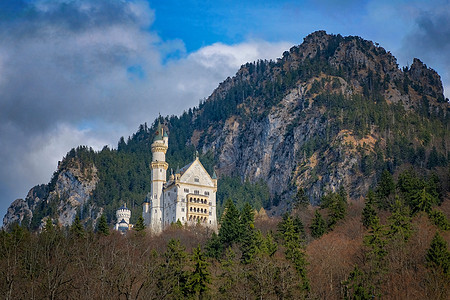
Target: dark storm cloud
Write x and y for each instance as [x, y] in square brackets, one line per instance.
[430, 41]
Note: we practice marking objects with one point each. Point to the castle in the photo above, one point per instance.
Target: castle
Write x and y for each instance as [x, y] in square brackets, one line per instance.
[123, 215]
[189, 196]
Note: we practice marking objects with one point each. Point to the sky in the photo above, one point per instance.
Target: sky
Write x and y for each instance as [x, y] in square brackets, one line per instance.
[88, 72]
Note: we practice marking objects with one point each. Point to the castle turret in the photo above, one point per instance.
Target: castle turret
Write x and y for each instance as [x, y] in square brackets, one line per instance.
[123, 215]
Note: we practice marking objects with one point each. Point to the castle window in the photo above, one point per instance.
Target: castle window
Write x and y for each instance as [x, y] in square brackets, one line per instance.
[210, 213]
[182, 209]
[186, 190]
[207, 193]
[182, 218]
[196, 179]
[210, 203]
[196, 192]
[209, 221]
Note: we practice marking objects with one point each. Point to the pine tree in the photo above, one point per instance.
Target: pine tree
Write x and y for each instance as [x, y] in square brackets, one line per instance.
[49, 225]
[301, 200]
[139, 224]
[77, 228]
[214, 246]
[171, 274]
[102, 227]
[318, 226]
[230, 225]
[294, 251]
[247, 237]
[369, 214]
[438, 255]
[198, 280]
[422, 201]
[439, 219]
[400, 221]
[386, 187]
[355, 287]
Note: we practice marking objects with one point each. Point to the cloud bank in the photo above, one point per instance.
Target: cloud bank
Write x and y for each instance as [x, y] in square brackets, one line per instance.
[87, 72]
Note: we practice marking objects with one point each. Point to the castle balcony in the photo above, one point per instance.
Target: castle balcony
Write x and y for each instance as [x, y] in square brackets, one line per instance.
[198, 208]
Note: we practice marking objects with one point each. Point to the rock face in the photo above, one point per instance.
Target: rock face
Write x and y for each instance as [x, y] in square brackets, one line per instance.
[69, 192]
[274, 143]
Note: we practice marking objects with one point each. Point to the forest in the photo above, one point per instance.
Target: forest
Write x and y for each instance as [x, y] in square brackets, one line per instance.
[391, 245]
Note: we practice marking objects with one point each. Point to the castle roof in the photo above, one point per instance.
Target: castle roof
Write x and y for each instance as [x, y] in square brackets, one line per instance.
[124, 206]
[183, 169]
[160, 133]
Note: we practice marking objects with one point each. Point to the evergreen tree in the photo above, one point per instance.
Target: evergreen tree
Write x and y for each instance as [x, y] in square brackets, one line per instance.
[197, 283]
[214, 246]
[422, 201]
[172, 274]
[77, 228]
[294, 251]
[355, 287]
[102, 226]
[439, 219]
[385, 187]
[301, 200]
[230, 225]
[438, 255]
[369, 215]
[139, 224]
[376, 242]
[271, 245]
[400, 221]
[318, 226]
[247, 234]
[49, 225]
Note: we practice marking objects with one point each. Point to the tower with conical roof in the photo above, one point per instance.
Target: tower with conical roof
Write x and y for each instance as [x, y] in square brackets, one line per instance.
[159, 167]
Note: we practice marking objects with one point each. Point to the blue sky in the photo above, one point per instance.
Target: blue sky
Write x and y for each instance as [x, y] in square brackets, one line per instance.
[87, 72]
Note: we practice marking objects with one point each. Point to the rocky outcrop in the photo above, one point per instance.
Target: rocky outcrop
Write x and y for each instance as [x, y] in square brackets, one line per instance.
[61, 199]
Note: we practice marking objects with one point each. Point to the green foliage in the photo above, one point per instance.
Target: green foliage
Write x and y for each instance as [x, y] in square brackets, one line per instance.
[229, 225]
[49, 225]
[294, 250]
[139, 227]
[385, 188]
[102, 227]
[199, 278]
[299, 228]
[438, 255]
[247, 236]
[400, 221]
[376, 242]
[256, 194]
[369, 214]
[77, 228]
[439, 219]
[337, 204]
[214, 246]
[318, 226]
[171, 273]
[356, 286]
[301, 200]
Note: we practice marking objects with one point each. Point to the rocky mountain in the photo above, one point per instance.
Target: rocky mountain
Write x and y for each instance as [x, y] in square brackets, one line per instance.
[334, 111]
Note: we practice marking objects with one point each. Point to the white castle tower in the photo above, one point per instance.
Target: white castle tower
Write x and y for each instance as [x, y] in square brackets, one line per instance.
[123, 215]
[153, 211]
[189, 196]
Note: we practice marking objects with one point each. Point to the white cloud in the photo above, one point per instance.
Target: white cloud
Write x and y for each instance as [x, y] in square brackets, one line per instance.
[69, 83]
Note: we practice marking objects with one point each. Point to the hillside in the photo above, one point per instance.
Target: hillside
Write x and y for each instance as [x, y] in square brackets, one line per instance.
[332, 112]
